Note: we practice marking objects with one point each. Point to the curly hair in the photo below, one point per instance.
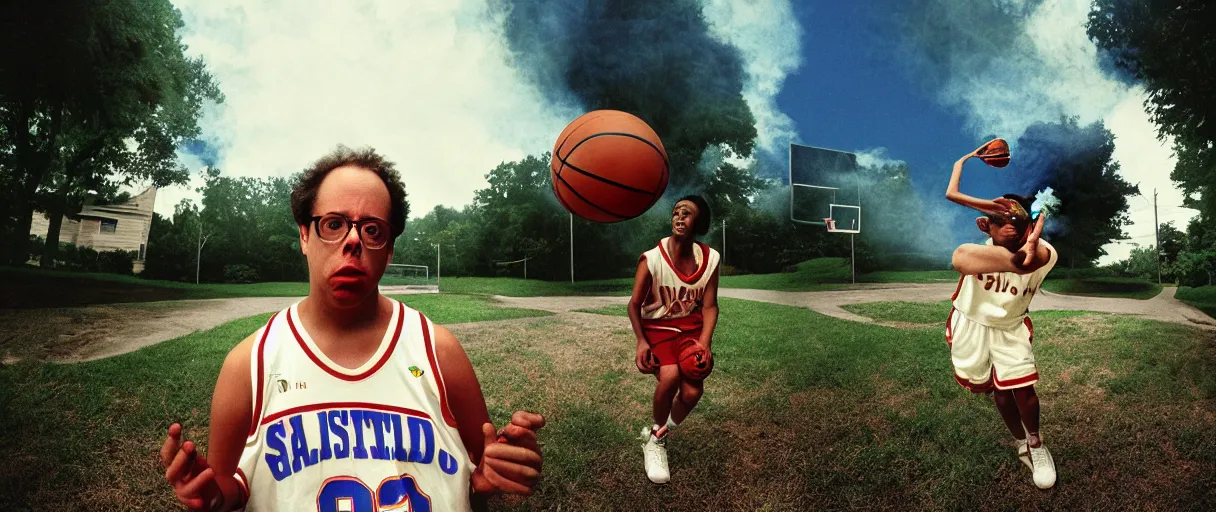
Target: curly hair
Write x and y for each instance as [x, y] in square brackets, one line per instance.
[704, 215]
[304, 191]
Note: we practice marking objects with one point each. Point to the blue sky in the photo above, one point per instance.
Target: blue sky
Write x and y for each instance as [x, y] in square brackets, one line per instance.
[851, 95]
[433, 86]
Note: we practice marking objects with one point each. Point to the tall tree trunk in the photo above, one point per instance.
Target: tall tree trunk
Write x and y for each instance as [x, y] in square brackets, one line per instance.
[21, 231]
[74, 171]
[33, 166]
[50, 247]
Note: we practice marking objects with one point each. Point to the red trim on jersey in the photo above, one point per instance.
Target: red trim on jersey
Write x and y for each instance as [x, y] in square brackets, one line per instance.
[1030, 327]
[949, 327]
[344, 405]
[352, 378]
[1018, 382]
[448, 417]
[261, 386]
[958, 288]
[696, 275]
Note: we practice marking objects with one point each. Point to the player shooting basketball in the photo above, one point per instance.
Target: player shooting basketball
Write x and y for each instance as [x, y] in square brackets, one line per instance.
[674, 309]
[988, 329]
[349, 400]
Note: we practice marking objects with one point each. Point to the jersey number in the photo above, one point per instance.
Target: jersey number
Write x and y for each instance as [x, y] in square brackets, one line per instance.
[349, 494]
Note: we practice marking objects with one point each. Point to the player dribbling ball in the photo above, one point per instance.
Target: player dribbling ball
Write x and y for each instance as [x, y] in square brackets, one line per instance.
[674, 303]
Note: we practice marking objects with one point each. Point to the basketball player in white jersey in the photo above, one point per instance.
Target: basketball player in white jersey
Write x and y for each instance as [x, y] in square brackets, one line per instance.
[674, 303]
[349, 400]
[989, 330]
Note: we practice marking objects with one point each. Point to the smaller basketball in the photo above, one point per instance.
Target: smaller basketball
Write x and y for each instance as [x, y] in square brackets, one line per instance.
[608, 166]
[696, 363]
[995, 153]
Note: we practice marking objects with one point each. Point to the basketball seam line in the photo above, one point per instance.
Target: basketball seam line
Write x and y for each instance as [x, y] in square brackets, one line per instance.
[562, 143]
[554, 186]
[662, 154]
[587, 201]
[605, 180]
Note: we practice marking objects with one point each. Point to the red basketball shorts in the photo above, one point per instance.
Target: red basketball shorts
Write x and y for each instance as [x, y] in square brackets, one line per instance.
[666, 345]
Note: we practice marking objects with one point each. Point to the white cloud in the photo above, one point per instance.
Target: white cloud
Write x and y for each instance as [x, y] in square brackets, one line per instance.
[1145, 161]
[1053, 71]
[876, 157]
[425, 83]
[770, 39]
[428, 84]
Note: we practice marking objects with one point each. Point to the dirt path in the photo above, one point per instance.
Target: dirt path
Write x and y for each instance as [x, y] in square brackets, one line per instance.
[1163, 307]
[95, 332]
[71, 335]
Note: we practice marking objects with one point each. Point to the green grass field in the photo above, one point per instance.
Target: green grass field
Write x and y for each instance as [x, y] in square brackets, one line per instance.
[825, 274]
[450, 309]
[38, 288]
[1126, 287]
[1203, 297]
[803, 411]
[931, 314]
[31, 287]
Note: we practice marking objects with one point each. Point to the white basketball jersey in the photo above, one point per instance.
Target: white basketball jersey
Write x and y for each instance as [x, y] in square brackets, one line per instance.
[376, 438]
[1000, 299]
[674, 298]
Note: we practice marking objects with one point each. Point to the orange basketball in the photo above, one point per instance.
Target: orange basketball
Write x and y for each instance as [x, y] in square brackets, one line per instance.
[696, 363]
[995, 153]
[608, 166]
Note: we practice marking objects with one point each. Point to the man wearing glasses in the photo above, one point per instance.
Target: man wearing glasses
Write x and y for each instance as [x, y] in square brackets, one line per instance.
[349, 400]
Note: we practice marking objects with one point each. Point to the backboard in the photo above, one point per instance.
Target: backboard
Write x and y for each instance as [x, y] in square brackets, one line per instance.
[825, 184]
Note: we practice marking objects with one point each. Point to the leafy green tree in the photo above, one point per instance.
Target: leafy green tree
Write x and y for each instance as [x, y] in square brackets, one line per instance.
[92, 95]
[1167, 46]
[1195, 268]
[1075, 161]
[1172, 242]
[1142, 263]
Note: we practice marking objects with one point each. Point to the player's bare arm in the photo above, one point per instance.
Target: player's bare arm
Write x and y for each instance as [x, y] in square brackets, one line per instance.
[972, 259]
[641, 285]
[512, 465]
[208, 482]
[954, 194]
[709, 311]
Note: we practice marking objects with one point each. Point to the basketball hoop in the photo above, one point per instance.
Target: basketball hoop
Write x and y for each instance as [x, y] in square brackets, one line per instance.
[831, 223]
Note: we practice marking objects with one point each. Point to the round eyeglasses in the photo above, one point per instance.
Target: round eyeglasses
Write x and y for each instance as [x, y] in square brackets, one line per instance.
[333, 227]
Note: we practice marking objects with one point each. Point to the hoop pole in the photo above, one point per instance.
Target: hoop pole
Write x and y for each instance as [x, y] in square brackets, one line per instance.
[852, 259]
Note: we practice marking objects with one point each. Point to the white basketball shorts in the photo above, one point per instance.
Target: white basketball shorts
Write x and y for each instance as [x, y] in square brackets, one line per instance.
[987, 357]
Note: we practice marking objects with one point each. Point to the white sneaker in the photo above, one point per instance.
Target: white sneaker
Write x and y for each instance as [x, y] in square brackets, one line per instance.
[1043, 465]
[655, 452]
[1024, 453]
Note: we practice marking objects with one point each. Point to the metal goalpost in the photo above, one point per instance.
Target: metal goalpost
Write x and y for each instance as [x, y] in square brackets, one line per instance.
[426, 269]
[524, 261]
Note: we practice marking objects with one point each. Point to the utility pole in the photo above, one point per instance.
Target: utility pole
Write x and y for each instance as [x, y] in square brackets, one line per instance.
[198, 258]
[1157, 236]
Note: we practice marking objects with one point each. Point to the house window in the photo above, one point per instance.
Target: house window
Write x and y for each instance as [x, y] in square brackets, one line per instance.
[142, 247]
[109, 225]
